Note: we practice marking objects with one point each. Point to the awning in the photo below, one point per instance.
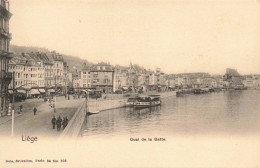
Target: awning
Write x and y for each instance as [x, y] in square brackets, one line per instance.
[21, 91]
[84, 91]
[42, 90]
[125, 88]
[35, 91]
[10, 91]
[52, 90]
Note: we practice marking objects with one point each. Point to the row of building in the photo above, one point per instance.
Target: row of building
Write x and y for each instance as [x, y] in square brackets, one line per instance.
[37, 73]
[108, 78]
[46, 72]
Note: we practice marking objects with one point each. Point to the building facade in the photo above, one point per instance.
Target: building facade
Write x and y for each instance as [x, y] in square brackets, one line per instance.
[5, 37]
[85, 77]
[102, 77]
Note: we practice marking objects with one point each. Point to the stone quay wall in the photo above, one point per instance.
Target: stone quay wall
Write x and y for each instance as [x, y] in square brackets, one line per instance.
[101, 105]
[73, 128]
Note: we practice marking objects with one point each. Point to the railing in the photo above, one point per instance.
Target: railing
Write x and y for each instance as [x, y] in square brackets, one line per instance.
[72, 130]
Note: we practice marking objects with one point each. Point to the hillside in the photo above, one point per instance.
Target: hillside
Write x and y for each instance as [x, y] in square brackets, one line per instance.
[25, 49]
[72, 61]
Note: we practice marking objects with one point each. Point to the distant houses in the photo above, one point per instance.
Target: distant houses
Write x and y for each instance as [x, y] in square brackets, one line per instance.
[39, 73]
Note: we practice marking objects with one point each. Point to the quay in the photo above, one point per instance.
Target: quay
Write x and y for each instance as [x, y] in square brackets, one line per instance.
[40, 124]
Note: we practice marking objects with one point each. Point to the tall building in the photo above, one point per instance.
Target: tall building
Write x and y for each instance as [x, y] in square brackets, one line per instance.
[5, 37]
[85, 77]
[102, 77]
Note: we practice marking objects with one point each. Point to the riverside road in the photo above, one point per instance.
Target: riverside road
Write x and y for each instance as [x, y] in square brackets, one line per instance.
[40, 124]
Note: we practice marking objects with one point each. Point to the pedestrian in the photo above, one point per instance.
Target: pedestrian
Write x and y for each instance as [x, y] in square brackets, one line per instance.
[65, 122]
[53, 121]
[59, 120]
[21, 108]
[34, 110]
[68, 97]
[67, 119]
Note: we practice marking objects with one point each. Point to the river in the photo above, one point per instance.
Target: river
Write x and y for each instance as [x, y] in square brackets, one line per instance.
[227, 112]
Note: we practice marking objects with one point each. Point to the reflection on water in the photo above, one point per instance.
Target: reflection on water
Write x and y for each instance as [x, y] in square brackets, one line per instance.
[228, 112]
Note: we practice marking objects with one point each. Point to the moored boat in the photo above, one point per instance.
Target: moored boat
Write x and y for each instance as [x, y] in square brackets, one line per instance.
[147, 101]
[130, 101]
[92, 112]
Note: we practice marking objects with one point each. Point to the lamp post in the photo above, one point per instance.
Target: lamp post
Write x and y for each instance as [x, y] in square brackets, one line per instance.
[13, 105]
[55, 94]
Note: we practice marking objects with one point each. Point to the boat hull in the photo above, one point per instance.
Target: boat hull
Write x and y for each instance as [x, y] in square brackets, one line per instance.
[146, 104]
[92, 112]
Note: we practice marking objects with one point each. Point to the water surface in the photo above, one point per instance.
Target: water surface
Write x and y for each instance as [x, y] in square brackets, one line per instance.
[228, 112]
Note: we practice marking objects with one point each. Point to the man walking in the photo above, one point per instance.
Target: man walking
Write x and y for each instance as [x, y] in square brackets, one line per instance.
[59, 120]
[34, 110]
[53, 121]
[65, 122]
[21, 109]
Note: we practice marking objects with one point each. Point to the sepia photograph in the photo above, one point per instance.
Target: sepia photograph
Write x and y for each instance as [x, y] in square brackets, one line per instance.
[129, 83]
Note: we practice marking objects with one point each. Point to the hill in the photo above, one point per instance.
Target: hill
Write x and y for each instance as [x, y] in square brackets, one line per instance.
[72, 61]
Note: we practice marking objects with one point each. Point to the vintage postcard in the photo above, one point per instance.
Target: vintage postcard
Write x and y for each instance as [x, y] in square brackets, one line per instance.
[129, 83]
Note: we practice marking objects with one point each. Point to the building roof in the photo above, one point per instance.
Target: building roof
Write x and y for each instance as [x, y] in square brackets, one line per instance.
[105, 67]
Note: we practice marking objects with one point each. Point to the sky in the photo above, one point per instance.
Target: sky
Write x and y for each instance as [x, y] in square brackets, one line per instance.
[176, 36]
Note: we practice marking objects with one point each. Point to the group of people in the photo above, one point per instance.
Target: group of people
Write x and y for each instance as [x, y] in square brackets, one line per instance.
[76, 96]
[59, 122]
